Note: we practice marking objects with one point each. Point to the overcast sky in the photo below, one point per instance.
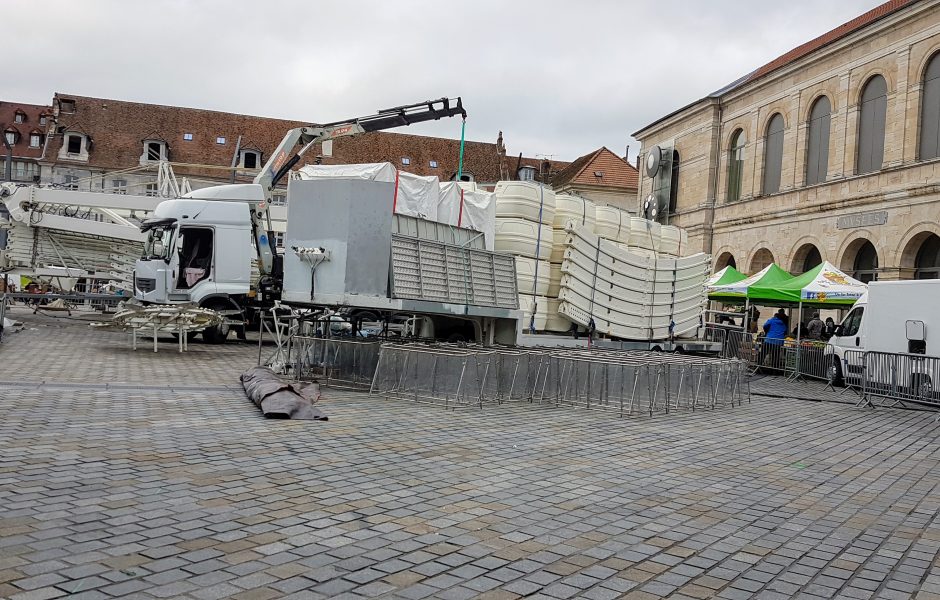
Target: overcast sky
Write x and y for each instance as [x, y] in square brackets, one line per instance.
[559, 78]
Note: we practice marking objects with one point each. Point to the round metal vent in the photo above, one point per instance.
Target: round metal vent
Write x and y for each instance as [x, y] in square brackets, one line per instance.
[654, 160]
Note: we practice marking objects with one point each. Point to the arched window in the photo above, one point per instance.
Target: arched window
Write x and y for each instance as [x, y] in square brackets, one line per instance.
[674, 183]
[735, 165]
[817, 146]
[773, 154]
[725, 259]
[871, 125]
[866, 263]
[762, 258]
[930, 111]
[927, 263]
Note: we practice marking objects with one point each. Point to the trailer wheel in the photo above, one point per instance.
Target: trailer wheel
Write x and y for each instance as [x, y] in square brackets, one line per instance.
[834, 372]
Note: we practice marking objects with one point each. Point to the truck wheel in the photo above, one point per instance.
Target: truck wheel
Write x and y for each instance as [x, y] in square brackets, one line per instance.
[834, 373]
[219, 333]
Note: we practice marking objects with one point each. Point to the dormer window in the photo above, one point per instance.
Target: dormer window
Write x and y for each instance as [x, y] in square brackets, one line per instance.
[527, 173]
[73, 143]
[154, 151]
[35, 139]
[42, 120]
[19, 117]
[11, 135]
[249, 159]
[67, 106]
[74, 146]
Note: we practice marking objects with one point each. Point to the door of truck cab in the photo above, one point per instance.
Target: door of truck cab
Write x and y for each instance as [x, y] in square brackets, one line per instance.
[193, 261]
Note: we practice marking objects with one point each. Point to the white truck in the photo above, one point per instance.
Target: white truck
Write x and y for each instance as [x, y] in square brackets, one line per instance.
[897, 317]
[199, 247]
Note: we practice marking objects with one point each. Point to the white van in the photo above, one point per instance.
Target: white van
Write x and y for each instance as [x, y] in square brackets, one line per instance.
[899, 317]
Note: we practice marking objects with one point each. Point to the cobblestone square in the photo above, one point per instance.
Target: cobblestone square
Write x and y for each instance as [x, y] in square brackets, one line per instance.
[139, 475]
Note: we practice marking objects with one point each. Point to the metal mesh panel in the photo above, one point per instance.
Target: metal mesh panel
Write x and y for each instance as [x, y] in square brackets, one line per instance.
[428, 270]
[628, 382]
[334, 362]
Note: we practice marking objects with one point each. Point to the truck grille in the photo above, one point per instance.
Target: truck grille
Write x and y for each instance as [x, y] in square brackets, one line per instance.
[145, 285]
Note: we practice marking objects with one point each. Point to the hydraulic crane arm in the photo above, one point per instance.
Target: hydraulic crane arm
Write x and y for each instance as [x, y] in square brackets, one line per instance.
[283, 159]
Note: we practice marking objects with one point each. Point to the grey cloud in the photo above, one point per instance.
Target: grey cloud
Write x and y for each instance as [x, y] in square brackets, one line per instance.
[558, 78]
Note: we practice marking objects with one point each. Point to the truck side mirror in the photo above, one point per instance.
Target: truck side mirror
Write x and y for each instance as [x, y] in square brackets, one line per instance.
[839, 331]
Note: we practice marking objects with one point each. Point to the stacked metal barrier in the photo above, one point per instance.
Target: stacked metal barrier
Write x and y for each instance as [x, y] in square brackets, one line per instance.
[334, 361]
[627, 382]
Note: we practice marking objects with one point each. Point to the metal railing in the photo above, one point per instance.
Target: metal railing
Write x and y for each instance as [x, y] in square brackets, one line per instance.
[628, 382]
[3, 311]
[898, 378]
[334, 362]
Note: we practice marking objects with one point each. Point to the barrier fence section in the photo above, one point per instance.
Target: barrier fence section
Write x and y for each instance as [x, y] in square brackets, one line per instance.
[813, 359]
[900, 378]
[628, 382]
[3, 310]
[335, 362]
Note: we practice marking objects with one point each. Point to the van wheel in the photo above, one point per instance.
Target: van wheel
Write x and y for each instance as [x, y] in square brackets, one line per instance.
[923, 387]
[834, 373]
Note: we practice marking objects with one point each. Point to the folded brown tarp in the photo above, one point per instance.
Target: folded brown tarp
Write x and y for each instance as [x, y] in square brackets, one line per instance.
[280, 400]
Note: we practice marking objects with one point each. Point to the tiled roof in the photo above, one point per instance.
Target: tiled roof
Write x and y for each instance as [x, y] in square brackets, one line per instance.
[839, 32]
[31, 124]
[614, 171]
[118, 128]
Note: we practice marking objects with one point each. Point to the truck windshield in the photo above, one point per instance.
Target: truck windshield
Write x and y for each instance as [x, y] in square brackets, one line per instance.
[159, 242]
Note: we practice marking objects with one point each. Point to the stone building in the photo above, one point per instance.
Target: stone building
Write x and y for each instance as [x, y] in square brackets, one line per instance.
[829, 152]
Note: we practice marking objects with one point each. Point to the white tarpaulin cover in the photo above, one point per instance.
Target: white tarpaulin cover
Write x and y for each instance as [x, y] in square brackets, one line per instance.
[460, 205]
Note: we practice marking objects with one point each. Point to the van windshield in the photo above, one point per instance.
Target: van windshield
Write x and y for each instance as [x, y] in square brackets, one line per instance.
[853, 321]
[159, 242]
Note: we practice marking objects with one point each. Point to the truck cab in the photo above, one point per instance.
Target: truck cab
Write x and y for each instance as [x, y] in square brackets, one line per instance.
[196, 251]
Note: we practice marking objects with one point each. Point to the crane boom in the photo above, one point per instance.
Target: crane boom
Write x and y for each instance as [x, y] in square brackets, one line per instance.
[286, 155]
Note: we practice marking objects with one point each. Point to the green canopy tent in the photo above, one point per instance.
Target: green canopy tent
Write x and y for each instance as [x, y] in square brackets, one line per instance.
[725, 276]
[822, 286]
[738, 291]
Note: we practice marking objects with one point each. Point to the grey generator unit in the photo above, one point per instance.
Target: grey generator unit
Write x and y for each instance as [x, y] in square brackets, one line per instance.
[344, 247]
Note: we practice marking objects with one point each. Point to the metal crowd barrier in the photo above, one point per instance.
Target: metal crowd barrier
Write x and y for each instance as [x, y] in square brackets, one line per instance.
[900, 378]
[628, 382]
[334, 362]
[3, 310]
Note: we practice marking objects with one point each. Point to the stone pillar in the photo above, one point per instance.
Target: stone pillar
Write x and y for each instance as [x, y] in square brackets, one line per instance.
[895, 123]
[845, 122]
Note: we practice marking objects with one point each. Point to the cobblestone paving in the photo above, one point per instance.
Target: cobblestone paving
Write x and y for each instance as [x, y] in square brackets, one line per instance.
[155, 493]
